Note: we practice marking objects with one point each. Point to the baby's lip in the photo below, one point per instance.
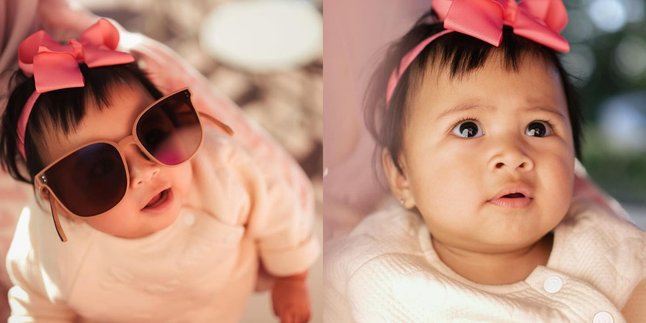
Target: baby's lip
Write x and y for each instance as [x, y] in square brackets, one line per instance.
[514, 190]
[153, 196]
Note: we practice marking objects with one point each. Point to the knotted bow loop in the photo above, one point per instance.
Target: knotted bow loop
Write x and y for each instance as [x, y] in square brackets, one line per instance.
[55, 66]
[537, 20]
[551, 12]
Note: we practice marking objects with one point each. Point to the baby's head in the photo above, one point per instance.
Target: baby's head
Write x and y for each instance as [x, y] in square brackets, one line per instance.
[479, 139]
[101, 153]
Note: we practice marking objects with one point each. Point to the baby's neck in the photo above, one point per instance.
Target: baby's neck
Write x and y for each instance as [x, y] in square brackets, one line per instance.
[496, 269]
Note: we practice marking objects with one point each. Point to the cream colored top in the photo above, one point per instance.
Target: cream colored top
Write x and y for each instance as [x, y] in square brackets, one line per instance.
[386, 270]
[200, 269]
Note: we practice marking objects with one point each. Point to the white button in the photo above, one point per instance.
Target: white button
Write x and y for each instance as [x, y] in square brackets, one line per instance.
[553, 284]
[188, 219]
[603, 317]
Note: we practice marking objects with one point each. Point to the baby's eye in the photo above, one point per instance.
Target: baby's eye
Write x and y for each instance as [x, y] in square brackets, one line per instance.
[467, 129]
[538, 129]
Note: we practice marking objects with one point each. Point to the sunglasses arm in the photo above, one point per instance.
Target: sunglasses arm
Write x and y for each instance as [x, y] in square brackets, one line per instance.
[57, 223]
[217, 122]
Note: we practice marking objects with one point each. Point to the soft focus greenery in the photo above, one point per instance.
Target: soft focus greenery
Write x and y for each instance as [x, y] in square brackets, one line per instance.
[622, 174]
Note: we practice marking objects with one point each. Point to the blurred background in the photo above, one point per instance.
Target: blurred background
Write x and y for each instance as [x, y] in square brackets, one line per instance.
[608, 65]
[266, 55]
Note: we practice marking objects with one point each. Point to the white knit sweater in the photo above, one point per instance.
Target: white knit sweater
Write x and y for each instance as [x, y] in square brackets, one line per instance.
[386, 270]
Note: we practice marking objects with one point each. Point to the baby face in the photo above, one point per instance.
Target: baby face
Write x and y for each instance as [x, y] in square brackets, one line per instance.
[155, 193]
[488, 158]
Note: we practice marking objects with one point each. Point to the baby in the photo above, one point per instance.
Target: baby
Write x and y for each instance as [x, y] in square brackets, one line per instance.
[479, 129]
[165, 217]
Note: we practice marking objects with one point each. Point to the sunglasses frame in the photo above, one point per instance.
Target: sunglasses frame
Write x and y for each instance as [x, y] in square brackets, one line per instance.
[40, 179]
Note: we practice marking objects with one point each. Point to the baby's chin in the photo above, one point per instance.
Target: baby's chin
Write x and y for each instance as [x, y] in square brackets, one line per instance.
[152, 223]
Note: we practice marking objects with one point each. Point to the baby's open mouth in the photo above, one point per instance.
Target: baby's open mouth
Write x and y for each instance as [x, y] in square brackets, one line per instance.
[518, 197]
[514, 195]
[158, 199]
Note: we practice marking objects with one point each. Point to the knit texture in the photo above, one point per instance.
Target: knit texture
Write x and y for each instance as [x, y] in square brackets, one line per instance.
[386, 270]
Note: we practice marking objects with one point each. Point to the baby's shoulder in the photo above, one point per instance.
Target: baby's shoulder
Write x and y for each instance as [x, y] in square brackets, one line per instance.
[602, 249]
[588, 223]
[37, 252]
[381, 271]
[36, 233]
[382, 241]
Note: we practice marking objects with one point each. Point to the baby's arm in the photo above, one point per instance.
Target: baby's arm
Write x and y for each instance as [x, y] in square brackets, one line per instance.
[287, 248]
[239, 188]
[281, 219]
[28, 297]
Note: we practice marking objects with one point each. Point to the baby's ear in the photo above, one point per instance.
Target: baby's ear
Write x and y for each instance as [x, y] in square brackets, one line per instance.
[397, 180]
[43, 194]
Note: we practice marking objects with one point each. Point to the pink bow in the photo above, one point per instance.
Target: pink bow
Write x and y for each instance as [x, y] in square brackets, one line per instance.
[538, 20]
[56, 66]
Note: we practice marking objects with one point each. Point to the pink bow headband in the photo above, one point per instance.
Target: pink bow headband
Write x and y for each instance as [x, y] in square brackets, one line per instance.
[538, 20]
[56, 66]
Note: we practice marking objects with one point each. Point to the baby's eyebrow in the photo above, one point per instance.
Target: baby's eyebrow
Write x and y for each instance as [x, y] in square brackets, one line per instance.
[549, 110]
[471, 107]
[464, 107]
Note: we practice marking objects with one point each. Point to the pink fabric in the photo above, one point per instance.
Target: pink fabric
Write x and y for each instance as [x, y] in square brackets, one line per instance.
[55, 66]
[352, 49]
[538, 20]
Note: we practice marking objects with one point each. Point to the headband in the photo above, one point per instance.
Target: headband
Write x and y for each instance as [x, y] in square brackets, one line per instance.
[538, 20]
[56, 66]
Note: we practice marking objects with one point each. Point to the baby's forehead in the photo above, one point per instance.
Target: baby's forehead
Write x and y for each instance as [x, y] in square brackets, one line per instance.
[492, 69]
[531, 80]
[462, 66]
[109, 118]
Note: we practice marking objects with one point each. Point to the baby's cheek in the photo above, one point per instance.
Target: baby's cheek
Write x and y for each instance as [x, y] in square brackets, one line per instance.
[448, 199]
[182, 177]
[560, 187]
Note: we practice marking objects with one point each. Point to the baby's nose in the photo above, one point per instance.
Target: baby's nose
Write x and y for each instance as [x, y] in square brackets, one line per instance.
[141, 168]
[511, 155]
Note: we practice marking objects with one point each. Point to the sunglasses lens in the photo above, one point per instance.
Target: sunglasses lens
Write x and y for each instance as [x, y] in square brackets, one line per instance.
[170, 131]
[90, 181]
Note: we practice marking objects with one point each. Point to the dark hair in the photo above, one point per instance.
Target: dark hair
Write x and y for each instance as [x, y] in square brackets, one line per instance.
[462, 54]
[61, 109]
